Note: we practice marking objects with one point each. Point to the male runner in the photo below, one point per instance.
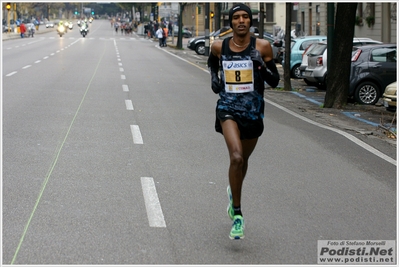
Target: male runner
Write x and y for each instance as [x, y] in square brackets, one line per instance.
[246, 62]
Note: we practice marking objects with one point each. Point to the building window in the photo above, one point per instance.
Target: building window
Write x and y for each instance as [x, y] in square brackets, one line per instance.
[360, 10]
[294, 14]
[269, 12]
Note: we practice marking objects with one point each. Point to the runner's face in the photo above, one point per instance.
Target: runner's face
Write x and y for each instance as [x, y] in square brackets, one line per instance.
[241, 21]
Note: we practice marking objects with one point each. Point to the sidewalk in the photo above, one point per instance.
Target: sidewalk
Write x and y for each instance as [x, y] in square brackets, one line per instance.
[12, 35]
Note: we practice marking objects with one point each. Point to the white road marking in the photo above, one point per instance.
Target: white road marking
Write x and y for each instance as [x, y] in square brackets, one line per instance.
[137, 138]
[38, 61]
[121, 69]
[152, 204]
[12, 73]
[349, 136]
[123, 77]
[125, 88]
[129, 105]
[27, 66]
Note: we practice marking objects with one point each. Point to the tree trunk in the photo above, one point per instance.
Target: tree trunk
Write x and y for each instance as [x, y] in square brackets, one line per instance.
[287, 51]
[339, 68]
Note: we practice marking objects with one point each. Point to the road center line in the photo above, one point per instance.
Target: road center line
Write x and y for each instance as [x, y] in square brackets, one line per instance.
[129, 105]
[125, 88]
[137, 138]
[11, 73]
[152, 204]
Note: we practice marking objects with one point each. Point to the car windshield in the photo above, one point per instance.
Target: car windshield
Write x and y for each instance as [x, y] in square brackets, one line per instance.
[318, 49]
[292, 43]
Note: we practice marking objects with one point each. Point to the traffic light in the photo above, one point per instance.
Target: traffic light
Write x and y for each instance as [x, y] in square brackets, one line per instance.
[92, 12]
[8, 6]
[212, 14]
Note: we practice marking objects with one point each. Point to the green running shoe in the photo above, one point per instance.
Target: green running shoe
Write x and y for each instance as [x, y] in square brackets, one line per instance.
[237, 231]
[230, 210]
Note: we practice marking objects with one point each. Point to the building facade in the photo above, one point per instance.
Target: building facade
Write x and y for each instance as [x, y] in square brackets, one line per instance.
[374, 20]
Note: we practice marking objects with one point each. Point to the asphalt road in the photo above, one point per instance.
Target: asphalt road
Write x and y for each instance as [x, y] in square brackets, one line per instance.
[110, 157]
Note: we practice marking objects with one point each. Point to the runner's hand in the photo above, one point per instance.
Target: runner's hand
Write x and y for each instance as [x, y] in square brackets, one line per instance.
[216, 86]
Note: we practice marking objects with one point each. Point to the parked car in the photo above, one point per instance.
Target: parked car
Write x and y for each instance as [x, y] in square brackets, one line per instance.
[315, 57]
[373, 67]
[304, 64]
[198, 43]
[298, 46]
[186, 32]
[389, 96]
[364, 41]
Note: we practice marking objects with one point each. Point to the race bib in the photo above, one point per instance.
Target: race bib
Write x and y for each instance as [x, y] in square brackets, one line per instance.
[238, 76]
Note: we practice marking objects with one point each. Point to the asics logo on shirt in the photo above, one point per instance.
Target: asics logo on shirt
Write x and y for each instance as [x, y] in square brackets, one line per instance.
[237, 65]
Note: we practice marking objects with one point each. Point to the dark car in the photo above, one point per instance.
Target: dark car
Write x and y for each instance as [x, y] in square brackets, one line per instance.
[373, 67]
[198, 43]
[186, 33]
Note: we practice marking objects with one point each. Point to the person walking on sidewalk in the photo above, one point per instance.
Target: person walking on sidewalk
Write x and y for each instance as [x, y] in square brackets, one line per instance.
[159, 34]
[246, 63]
[165, 36]
[22, 29]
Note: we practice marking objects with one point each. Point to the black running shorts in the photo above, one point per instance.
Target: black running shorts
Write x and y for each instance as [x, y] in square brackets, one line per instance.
[249, 129]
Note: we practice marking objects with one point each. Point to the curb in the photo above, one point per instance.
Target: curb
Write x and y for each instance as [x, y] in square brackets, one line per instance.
[12, 36]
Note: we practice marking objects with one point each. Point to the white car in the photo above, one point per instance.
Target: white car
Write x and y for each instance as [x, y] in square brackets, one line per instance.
[389, 96]
[50, 24]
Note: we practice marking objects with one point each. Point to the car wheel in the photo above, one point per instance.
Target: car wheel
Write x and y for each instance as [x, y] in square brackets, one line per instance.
[323, 84]
[295, 72]
[200, 49]
[367, 93]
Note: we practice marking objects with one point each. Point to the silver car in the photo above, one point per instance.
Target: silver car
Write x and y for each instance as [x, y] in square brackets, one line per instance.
[304, 64]
[316, 70]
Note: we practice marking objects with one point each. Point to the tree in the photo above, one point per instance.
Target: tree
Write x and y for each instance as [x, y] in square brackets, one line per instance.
[180, 33]
[339, 68]
[287, 52]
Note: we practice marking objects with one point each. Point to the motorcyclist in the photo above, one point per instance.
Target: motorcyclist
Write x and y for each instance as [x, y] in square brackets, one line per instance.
[84, 26]
[61, 27]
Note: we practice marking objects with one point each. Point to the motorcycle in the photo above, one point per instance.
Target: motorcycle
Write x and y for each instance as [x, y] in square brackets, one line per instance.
[279, 57]
[61, 30]
[84, 31]
[31, 31]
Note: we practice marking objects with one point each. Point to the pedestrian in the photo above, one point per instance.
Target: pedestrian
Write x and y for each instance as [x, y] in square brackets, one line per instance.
[159, 34]
[22, 29]
[246, 63]
[170, 28]
[165, 36]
